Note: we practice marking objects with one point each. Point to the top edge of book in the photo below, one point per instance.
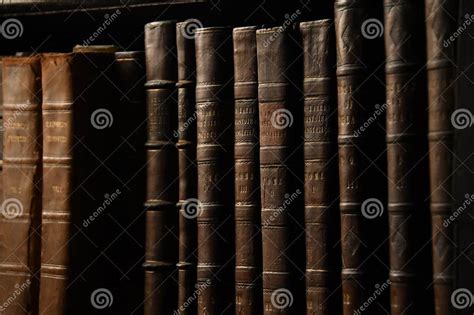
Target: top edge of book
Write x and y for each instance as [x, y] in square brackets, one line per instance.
[245, 29]
[212, 29]
[159, 23]
[95, 49]
[315, 23]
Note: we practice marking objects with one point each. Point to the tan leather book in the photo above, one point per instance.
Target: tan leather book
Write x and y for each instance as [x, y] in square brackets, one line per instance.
[20, 233]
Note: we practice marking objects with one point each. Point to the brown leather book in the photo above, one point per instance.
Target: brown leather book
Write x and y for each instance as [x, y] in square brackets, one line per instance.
[248, 240]
[74, 234]
[441, 23]
[320, 163]
[276, 96]
[352, 97]
[2, 130]
[161, 249]
[406, 109]
[20, 233]
[215, 130]
[186, 135]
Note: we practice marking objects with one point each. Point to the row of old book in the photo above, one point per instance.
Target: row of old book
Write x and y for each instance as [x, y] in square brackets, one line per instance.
[291, 143]
[269, 154]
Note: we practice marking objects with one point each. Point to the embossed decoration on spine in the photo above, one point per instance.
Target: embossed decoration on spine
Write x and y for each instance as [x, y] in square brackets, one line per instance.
[161, 245]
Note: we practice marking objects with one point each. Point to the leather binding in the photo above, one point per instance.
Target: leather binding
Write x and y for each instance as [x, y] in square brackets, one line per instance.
[214, 105]
[276, 112]
[320, 162]
[187, 165]
[405, 109]
[2, 130]
[75, 179]
[128, 160]
[352, 95]
[20, 219]
[161, 249]
[248, 240]
[441, 22]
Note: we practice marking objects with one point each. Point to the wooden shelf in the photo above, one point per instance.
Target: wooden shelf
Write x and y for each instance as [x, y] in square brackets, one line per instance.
[47, 7]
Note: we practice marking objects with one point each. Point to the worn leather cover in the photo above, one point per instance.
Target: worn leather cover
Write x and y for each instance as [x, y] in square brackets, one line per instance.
[214, 105]
[406, 91]
[77, 230]
[276, 111]
[352, 97]
[187, 166]
[248, 240]
[20, 235]
[320, 150]
[441, 23]
[161, 250]
[2, 130]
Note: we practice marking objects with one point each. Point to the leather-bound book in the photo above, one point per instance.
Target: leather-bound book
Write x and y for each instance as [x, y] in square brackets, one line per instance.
[441, 22]
[353, 179]
[215, 121]
[320, 163]
[406, 91]
[276, 96]
[20, 218]
[75, 228]
[130, 119]
[187, 167]
[2, 130]
[248, 241]
[161, 249]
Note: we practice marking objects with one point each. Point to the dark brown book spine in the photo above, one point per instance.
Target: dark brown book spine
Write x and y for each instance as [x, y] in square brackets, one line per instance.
[320, 163]
[405, 101]
[2, 130]
[187, 117]
[441, 22]
[248, 240]
[21, 207]
[276, 106]
[214, 105]
[161, 245]
[352, 97]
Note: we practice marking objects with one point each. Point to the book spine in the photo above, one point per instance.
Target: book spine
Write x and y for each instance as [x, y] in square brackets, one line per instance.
[351, 75]
[320, 164]
[187, 166]
[58, 142]
[161, 246]
[2, 130]
[441, 22]
[248, 240]
[404, 92]
[275, 92]
[214, 102]
[20, 217]
[127, 163]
